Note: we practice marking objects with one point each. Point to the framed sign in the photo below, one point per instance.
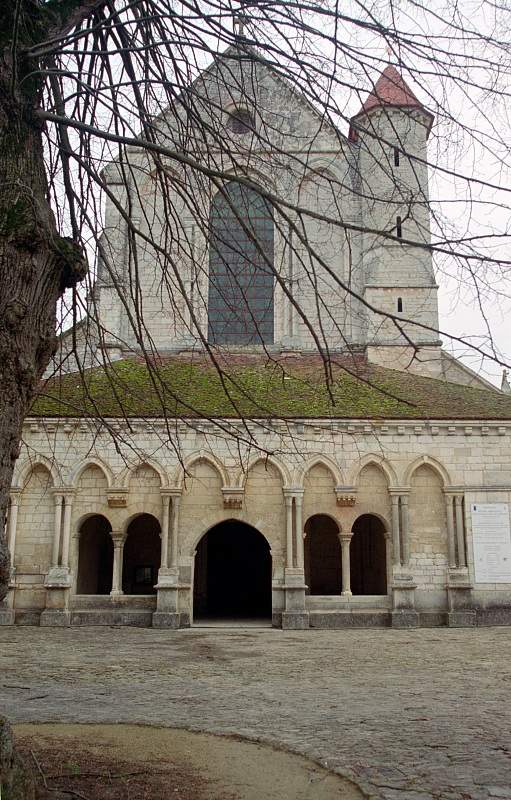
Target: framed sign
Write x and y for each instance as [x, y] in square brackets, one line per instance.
[491, 533]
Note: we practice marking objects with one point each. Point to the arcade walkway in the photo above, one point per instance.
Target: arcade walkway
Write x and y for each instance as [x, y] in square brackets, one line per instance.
[413, 715]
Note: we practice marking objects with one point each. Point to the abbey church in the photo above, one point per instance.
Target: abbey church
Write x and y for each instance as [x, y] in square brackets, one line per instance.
[256, 420]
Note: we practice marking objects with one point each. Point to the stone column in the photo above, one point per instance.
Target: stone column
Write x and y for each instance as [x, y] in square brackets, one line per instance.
[405, 530]
[57, 581]
[12, 523]
[118, 540]
[167, 613]
[299, 529]
[66, 540]
[289, 531]
[7, 614]
[345, 539]
[396, 537]
[451, 547]
[165, 520]
[176, 503]
[57, 499]
[460, 533]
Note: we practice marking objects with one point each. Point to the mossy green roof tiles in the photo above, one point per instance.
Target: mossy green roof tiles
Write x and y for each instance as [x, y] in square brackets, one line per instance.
[289, 388]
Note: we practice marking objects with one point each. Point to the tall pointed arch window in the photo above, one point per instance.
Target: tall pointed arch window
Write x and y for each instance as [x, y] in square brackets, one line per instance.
[241, 258]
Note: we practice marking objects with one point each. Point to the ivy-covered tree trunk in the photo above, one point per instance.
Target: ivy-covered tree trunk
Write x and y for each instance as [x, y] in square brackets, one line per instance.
[36, 263]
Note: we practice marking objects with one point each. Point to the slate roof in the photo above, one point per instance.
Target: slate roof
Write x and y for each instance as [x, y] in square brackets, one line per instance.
[254, 387]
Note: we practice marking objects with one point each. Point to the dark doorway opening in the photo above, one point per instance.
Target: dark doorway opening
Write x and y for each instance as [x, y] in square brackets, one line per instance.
[368, 556]
[323, 566]
[232, 576]
[95, 557]
[142, 556]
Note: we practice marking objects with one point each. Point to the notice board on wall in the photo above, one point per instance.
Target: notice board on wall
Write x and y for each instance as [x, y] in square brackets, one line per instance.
[491, 534]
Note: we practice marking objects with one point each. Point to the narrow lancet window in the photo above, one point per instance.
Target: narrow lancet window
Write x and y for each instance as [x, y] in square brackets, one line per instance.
[396, 157]
[399, 227]
[399, 304]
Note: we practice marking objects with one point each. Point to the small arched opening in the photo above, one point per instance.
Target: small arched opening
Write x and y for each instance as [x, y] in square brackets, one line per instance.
[323, 566]
[141, 556]
[232, 576]
[95, 556]
[368, 556]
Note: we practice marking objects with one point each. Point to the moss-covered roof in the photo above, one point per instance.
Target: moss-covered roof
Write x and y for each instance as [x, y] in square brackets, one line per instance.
[190, 387]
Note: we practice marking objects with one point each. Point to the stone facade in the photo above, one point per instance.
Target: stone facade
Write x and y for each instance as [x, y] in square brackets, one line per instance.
[416, 480]
[349, 522]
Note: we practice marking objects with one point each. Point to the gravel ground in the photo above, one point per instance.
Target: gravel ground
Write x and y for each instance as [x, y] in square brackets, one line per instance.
[408, 714]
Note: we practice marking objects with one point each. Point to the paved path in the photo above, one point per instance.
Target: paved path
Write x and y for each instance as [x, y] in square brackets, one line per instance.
[413, 715]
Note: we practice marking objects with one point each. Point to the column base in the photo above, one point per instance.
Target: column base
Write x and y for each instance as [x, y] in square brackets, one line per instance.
[295, 620]
[166, 619]
[404, 619]
[7, 616]
[55, 618]
[462, 619]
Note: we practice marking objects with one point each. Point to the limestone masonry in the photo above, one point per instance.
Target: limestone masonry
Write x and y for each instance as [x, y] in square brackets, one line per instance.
[384, 501]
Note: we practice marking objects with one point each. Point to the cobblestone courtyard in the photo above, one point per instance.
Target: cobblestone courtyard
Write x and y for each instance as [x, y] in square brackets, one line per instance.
[409, 714]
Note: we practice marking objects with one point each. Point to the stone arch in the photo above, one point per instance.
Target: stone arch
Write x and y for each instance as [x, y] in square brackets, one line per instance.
[22, 471]
[36, 518]
[232, 573]
[127, 474]
[281, 468]
[95, 555]
[368, 555]
[322, 555]
[141, 554]
[377, 460]
[76, 473]
[431, 462]
[373, 496]
[207, 457]
[428, 526]
[322, 461]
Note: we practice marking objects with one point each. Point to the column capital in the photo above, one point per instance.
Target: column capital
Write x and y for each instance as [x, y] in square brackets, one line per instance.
[15, 497]
[58, 495]
[453, 491]
[118, 538]
[68, 495]
[294, 491]
[175, 494]
[345, 537]
[399, 491]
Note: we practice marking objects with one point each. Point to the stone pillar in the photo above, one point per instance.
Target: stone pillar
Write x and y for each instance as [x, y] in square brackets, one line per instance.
[289, 531]
[176, 503]
[405, 530]
[12, 524]
[451, 545]
[118, 540]
[167, 613]
[345, 539]
[165, 520]
[66, 539]
[57, 499]
[396, 534]
[7, 614]
[58, 581]
[295, 616]
[460, 532]
[299, 528]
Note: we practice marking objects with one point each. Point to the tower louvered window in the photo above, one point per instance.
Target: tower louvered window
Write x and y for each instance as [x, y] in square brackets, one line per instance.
[241, 257]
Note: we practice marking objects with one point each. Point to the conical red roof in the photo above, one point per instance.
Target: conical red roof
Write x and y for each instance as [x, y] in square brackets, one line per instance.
[390, 90]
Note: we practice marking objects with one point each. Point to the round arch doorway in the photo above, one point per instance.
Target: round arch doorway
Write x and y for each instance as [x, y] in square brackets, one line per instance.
[232, 576]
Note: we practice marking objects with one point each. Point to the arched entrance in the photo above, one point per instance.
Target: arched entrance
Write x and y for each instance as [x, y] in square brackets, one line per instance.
[95, 556]
[232, 576]
[368, 556]
[141, 556]
[323, 572]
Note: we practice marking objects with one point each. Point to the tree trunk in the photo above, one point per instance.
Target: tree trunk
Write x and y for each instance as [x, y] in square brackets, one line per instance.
[36, 263]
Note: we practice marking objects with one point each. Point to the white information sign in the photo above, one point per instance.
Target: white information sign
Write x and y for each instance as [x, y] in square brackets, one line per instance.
[492, 542]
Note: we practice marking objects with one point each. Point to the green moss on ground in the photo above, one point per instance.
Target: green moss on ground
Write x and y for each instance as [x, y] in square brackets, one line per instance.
[182, 389]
